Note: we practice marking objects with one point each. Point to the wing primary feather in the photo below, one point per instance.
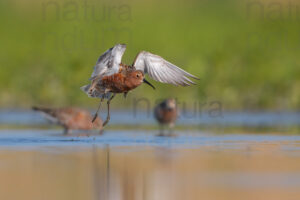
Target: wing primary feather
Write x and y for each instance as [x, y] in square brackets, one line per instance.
[181, 70]
[178, 77]
[161, 70]
[109, 62]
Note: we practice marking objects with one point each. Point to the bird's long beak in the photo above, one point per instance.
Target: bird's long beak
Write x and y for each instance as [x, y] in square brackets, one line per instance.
[145, 81]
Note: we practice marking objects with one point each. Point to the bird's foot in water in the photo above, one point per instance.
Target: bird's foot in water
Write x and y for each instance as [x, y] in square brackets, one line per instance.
[167, 135]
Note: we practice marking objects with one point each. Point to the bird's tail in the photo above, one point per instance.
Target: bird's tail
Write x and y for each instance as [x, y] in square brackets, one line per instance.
[86, 88]
[49, 113]
[95, 93]
[42, 109]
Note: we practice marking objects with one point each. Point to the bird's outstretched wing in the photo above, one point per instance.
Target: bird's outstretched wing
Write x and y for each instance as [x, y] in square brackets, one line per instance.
[109, 62]
[161, 70]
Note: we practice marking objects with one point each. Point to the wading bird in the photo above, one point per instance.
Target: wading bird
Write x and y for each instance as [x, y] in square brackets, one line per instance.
[71, 118]
[166, 114]
[110, 76]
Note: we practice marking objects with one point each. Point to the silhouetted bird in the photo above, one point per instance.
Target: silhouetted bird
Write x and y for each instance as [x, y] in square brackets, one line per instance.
[166, 114]
[71, 118]
[110, 76]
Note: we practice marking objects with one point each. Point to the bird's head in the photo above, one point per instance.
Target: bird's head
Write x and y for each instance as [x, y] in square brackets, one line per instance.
[137, 77]
[171, 103]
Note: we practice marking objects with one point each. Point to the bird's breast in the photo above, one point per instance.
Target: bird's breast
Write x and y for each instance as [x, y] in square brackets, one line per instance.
[116, 83]
[165, 116]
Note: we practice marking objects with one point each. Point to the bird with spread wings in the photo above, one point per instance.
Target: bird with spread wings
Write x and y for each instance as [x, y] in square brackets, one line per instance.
[111, 76]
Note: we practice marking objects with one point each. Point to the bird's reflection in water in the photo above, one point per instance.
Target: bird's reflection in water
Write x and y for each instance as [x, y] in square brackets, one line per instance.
[106, 172]
[118, 175]
[168, 173]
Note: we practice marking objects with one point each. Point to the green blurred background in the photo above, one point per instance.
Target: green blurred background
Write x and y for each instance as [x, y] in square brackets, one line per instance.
[245, 52]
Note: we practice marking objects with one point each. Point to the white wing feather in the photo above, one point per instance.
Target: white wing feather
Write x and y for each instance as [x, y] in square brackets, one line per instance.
[109, 62]
[161, 70]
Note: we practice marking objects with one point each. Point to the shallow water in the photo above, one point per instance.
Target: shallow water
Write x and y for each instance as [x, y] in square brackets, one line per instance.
[43, 164]
[130, 117]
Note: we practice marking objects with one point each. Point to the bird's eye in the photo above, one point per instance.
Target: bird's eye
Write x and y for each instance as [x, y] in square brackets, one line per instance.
[137, 75]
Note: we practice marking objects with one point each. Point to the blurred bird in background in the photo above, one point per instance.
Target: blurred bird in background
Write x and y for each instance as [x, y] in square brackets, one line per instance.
[71, 118]
[166, 114]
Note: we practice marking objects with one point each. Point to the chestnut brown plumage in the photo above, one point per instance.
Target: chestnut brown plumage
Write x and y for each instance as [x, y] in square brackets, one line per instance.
[166, 114]
[71, 118]
[111, 77]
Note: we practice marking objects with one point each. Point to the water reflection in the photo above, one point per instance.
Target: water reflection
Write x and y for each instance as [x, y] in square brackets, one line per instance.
[260, 170]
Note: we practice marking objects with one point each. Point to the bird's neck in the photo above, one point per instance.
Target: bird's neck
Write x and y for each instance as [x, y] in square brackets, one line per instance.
[131, 83]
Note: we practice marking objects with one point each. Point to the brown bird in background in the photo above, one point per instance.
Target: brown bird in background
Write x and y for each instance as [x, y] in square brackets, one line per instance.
[71, 118]
[110, 76]
[166, 114]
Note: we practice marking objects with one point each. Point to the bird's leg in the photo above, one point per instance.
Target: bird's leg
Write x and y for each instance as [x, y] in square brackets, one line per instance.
[171, 130]
[125, 94]
[161, 130]
[108, 114]
[66, 130]
[96, 114]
